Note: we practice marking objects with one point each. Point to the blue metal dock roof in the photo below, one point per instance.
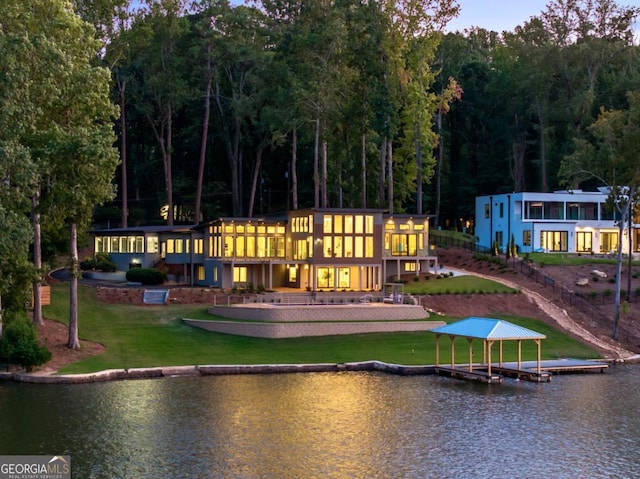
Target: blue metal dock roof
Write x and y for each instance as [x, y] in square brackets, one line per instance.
[488, 328]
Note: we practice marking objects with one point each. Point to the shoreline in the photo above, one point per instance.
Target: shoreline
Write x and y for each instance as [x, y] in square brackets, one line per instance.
[237, 369]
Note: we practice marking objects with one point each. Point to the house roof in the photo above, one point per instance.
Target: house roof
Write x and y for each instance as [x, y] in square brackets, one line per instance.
[488, 328]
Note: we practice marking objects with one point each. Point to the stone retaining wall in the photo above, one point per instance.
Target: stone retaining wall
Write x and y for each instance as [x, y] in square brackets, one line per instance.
[317, 312]
[172, 371]
[294, 330]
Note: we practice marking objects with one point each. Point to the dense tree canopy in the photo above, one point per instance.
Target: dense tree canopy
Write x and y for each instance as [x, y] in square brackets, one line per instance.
[284, 103]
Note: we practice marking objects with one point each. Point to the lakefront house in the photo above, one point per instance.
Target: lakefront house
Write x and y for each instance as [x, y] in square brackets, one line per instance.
[572, 221]
[326, 249]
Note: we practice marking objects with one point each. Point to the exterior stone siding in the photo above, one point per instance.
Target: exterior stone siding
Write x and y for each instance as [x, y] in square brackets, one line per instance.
[293, 330]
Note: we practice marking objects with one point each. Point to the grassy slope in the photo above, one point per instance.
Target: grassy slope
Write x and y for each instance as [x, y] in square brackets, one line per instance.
[145, 336]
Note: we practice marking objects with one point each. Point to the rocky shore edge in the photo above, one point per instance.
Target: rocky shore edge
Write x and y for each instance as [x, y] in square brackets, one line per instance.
[218, 370]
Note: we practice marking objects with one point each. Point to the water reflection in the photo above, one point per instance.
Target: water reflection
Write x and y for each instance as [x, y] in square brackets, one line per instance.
[333, 425]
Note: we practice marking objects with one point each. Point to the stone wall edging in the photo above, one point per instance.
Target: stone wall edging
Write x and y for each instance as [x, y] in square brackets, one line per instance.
[216, 370]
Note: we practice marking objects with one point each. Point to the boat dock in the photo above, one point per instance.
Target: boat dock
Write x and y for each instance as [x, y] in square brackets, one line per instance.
[526, 370]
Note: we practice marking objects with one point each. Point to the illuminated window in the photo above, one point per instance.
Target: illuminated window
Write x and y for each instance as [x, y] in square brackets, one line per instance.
[326, 278]
[310, 224]
[98, 245]
[583, 241]
[215, 274]
[198, 245]
[251, 246]
[251, 229]
[228, 246]
[200, 273]
[418, 227]
[293, 274]
[608, 242]
[327, 224]
[413, 243]
[554, 240]
[327, 246]
[368, 241]
[281, 250]
[526, 238]
[228, 229]
[409, 267]
[389, 225]
[337, 246]
[179, 246]
[239, 274]
[404, 227]
[170, 246]
[271, 230]
[348, 224]
[343, 278]
[368, 221]
[280, 229]
[262, 247]
[348, 246]
[358, 246]
[337, 224]
[240, 229]
[262, 229]
[152, 244]
[300, 249]
[240, 246]
[114, 245]
[359, 226]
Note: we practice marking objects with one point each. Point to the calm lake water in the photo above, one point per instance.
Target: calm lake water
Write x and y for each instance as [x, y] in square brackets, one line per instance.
[332, 425]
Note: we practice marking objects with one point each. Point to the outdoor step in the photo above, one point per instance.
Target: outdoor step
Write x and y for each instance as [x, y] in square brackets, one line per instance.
[155, 296]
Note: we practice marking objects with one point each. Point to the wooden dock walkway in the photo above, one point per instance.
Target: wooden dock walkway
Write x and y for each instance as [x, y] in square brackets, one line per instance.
[527, 370]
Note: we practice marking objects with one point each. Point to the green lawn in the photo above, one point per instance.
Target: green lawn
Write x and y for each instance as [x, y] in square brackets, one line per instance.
[466, 284]
[146, 336]
[566, 259]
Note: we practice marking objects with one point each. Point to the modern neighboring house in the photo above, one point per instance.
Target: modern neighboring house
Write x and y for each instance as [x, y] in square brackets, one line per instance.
[573, 221]
[330, 249]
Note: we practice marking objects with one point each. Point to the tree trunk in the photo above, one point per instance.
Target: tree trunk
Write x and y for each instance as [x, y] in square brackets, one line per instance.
[439, 170]
[325, 198]
[363, 167]
[316, 176]
[294, 169]
[203, 152]
[37, 258]
[390, 174]
[419, 163]
[74, 342]
[254, 181]
[383, 169]
[122, 83]
[543, 151]
[167, 168]
[235, 170]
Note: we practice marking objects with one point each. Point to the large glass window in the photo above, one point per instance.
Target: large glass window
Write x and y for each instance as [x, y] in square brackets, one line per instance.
[583, 241]
[239, 274]
[553, 240]
[326, 278]
[608, 242]
[526, 238]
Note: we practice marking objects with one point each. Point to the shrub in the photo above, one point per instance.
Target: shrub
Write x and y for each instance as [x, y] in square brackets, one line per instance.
[100, 262]
[607, 292]
[148, 276]
[19, 345]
